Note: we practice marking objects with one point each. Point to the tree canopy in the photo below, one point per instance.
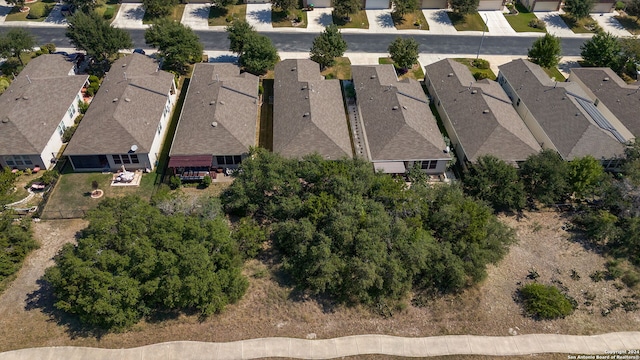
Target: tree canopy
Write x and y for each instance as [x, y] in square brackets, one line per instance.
[85, 6]
[258, 54]
[546, 51]
[158, 8]
[178, 44]
[238, 32]
[404, 52]
[95, 36]
[327, 46]
[464, 7]
[16, 242]
[15, 42]
[363, 237]
[602, 50]
[579, 9]
[633, 8]
[545, 176]
[132, 261]
[344, 8]
[285, 5]
[496, 182]
[403, 7]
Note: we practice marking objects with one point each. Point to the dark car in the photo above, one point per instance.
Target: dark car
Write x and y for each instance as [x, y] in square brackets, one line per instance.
[139, 51]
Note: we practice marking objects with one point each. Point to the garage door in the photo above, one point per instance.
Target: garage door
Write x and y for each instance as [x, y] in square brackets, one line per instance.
[546, 6]
[256, 1]
[434, 4]
[377, 4]
[488, 5]
[602, 7]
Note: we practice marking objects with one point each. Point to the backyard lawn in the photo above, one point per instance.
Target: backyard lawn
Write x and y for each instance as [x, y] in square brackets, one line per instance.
[581, 26]
[358, 20]
[630, 23]
[176, 15]
[415, 72]
[224, 16]
[470, 22]
[554, 73]
[280, 19]
[520, 22]
[341, 70]
[44, 6]
[412, 21]
[487, 73]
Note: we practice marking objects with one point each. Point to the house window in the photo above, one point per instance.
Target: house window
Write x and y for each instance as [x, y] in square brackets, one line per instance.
[72, 111]
[134, 159]
[117, 160]
[160, 128]
[61, 128]
[18, 160]
[429, 164]
[125, 159]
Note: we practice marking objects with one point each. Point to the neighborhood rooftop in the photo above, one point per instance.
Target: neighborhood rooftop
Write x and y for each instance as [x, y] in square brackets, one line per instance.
[126, 109]
[34, 103]
[219, 113]
[622, 99]
[481, 114]
[397, 121]
[565, 114]
[308, 112]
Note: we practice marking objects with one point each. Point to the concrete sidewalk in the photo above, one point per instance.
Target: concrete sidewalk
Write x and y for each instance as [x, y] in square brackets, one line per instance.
[610, 24]
[350, 346]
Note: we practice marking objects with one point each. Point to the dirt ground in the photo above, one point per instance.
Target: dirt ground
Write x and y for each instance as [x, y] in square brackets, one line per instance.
[269, 310]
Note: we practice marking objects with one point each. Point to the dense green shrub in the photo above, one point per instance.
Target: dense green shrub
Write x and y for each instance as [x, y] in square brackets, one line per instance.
[50, 47]
[83, 106]
[175, 182]
[537, 24]
[546, 302]
[109, 12]
[206, 181]
[68, 133]
[4, 83]
[16, 242]
[36, 12]
[481, 64]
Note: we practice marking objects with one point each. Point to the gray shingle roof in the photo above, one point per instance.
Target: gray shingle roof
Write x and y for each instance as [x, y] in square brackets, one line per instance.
[308, 112]
[499, 132]
[125, 111]
[35, 102]
[218, 93]
[398, 123]
[622, 99]
[573, 132]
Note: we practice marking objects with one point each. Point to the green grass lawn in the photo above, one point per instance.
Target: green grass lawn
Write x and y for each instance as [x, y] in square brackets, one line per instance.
[176, 15]
[415, 72]
[16, 15]
[520, 22]
[410, 20]
[470, 22]
[630, 23]
[356, 21]
[582, 26]
[219, 16]
[488, 73]
[280, 19]
[341, 70]
[265, 138]
[555, 73]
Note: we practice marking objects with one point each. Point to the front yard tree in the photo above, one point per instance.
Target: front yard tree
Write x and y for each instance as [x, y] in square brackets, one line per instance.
[158, 8]
[585, 175]
[403, 7]
[602, 50]
[404, 52]
[95, 36]
[344, 8]
[327, 46]
[496, 182]
[258, 54]
[238, 32]
[546, 51]
[178, 44]
[578, 9]
[464, 7]
[15, 42]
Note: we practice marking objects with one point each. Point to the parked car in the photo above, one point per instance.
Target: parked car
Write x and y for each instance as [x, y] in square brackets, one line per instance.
[139, 51]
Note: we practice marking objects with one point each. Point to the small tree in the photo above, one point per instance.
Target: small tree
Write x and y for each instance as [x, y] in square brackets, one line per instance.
[158, 8]
[177, 44]
[344, 8]
[602, 50]
[327, 46]
[496, 182]
[585, 175]
[95, 36]
[403, 7]
[404, 52]
[7, 183]
[578, 9]
[546, 302]
[15, 42]
[258, 54]
[238, 32]
[464, 7]
[546, 51]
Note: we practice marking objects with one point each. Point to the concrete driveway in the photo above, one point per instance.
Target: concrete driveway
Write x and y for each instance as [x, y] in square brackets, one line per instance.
[196, 16]
[609, 23]
[380, 21]
[318, 19]
[130, 16]
[55, 16]
[259, 16]
[439, 22]
[496, 23]
[555, 25]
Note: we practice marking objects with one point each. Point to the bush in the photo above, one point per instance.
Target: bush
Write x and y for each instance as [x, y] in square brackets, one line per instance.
[480, 75]
[43, 50]
[546, 302]
[49, 177]
[4, 84]
[630, 278]
[108, 13]
[16, 242]
[260, 89]
[206, 181]
[620, 5]
[175, 182]
[537, 24]
[68, 133]
[83, 106]
[36, 12]
[481, 63]
[50, 47]
[93, 79]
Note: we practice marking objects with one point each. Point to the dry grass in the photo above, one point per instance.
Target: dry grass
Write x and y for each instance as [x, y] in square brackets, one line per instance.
[340, 70]
[412, 21]
[581, 26]
[225, 16]
[630, 23]
[271, 308]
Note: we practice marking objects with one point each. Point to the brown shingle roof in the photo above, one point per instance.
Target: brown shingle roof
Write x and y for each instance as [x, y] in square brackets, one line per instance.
[398, 123]
[125, 111]
[622, 99]
[572, 130]
[35, 102]
[218, 93]
[499, 132]
[308, 112]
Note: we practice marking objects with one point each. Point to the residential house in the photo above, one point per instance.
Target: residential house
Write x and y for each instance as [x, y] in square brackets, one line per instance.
[217, 125]
[308, 112]
[561, 116]
[36, 109]
[478, 115]
[397, 126]
[128, 118]
[616, 100]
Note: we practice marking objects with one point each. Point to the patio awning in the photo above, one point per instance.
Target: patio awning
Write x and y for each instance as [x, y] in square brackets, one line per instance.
[391, 167]
[190, 161]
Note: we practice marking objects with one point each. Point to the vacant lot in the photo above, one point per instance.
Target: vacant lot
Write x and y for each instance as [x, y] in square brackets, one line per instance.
[270, 308]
